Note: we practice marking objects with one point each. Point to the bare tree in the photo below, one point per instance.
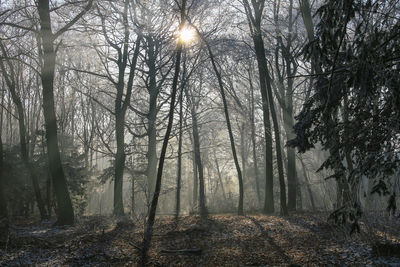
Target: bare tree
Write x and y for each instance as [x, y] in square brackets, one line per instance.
[12, 84]
[48, 52]
[123, 93]
[228, 122]
[254, 15]
[152, 213]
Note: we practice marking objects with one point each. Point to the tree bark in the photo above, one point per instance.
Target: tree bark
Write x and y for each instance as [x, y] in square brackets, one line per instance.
[253, 141]
[197, 156]
[266, 90]
[121, 105]
[179, 167]
[152, 213]
[151, 117]
[260, 55]
[228, 124]
[64, 204]
[287, 107]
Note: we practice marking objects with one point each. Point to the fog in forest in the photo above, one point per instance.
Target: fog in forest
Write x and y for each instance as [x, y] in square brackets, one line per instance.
[171, 113]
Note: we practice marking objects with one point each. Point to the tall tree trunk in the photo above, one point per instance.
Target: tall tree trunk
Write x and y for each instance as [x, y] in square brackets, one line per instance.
[119, 164]
[48, 194]
[291, 167]
[343, 191]
[64, 204]
[253, 141]
[228, 124]
[260, 55]
[195, 195]
[288, 120]
[278, 149]
[243, 155]
[151, 117]
[266, 89]
[179, 167]
[121, 105]
[197, 155]
[152, 214]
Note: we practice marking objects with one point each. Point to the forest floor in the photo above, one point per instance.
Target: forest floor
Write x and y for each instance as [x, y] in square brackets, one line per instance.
[304, 239]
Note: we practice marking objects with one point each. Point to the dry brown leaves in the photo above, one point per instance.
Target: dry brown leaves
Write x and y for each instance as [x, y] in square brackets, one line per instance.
[305, 239]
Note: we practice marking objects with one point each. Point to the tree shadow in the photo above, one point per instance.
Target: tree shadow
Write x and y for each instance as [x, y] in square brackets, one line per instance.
[273, 244]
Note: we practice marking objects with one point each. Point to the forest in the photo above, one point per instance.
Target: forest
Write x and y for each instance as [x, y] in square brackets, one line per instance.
[199, 132]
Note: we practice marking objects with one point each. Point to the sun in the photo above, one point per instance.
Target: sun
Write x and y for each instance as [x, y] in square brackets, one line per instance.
[187, 34]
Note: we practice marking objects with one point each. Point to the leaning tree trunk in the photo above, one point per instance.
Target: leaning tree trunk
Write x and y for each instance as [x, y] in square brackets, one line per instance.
[152, 214]
[228, 124]
[65, 211]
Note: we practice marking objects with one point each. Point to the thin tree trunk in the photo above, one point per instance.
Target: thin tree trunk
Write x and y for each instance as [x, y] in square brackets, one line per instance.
[260, 55]
[243, 155]
[195, 178]
[253, 141]
[266, 92]
[132, 195]
[179, 167]
[197, 156]
[194, 196]
[152, 214]
[10, 81]
[278, 149]
[220, 176]
[3, 203]
[228, 124]
[287, 98]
